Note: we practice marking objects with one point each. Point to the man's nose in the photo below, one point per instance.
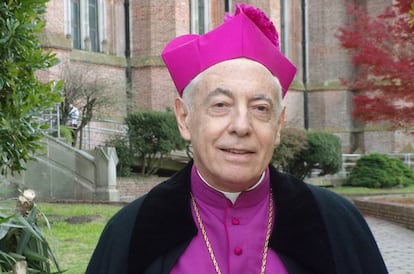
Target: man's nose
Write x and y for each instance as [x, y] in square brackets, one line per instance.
[240, 123]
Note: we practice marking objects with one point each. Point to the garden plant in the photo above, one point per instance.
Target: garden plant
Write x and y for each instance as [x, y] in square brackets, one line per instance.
[23, 245]
[381, 171]
[302, 152]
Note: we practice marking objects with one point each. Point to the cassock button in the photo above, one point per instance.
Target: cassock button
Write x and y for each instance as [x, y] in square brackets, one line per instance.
[235, 221]
[238, 251]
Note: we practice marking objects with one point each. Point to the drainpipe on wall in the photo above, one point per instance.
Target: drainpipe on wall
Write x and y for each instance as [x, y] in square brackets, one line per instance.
[285, 23]
[305, 64]
[128, 69]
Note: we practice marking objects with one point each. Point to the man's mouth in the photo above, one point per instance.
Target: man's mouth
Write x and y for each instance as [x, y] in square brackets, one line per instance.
[237, 151]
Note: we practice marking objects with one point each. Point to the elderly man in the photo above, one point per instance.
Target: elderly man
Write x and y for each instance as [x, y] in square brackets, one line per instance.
[229, 211]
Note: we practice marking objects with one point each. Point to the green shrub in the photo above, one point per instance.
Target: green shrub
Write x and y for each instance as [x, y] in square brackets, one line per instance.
[124, 153]
[292, 141]
[152, 136]
[380, 171]
[322, 151]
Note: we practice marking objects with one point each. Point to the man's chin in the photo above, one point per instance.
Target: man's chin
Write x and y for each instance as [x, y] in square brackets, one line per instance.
[237, 182]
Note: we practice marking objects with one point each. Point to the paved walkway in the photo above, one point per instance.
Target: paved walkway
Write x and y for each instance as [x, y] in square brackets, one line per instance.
[396, 244]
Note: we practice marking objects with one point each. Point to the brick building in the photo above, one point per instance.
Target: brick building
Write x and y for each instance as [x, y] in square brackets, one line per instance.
[119, 43]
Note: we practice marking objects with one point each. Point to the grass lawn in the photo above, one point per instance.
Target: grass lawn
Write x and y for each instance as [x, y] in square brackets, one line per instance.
[349, 190]
[75, 230]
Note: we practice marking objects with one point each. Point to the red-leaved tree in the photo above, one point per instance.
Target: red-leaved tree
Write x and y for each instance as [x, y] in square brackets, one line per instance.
[412, 13]
[382, 50]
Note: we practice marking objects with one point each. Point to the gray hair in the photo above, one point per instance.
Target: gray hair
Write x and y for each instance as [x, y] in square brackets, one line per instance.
[189, 91]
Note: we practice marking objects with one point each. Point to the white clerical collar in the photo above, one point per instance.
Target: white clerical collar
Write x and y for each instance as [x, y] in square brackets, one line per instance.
[232, 196]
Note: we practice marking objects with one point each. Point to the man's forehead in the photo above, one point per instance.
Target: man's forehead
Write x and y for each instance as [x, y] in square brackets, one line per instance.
[258, 95]
[206, 95]
[235, 70]
[232, 76]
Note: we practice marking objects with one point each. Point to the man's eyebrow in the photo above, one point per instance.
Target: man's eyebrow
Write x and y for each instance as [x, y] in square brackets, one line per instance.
[219, 91]
[263, 97]
[230, 94]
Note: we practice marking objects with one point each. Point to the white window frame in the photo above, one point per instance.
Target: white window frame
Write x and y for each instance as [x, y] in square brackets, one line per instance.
[195, 24]
[286, 26]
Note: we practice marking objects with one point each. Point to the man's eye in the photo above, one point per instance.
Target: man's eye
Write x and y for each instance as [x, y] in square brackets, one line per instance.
[262, 112]
[219, 108]
[261, 108]
[219, 105]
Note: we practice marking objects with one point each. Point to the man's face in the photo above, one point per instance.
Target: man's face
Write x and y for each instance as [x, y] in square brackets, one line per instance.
[233, 123]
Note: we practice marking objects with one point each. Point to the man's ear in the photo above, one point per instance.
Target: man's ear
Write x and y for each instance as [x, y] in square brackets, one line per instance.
[280, 123]
[182, 115]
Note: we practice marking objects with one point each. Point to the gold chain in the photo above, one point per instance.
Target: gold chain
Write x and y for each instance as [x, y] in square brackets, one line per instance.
[210, 249]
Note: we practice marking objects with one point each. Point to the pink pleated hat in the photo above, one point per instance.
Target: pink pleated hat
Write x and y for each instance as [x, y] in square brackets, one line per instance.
[247, 34]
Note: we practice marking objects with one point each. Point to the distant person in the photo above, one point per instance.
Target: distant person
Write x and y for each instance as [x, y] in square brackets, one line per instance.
[72, 121]
[229, 210]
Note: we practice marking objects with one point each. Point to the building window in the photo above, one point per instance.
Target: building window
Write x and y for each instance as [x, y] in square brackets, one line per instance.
[285, 26]
[86, 23]
[75, 24]
[93, 26]
[200, 16]
[227, 5]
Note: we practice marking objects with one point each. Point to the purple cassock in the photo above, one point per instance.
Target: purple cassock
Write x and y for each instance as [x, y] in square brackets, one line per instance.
[237, 232]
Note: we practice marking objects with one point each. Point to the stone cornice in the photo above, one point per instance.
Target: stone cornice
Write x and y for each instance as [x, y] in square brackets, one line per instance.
[54, 40]
[147, 61]
[97, 58]
[318, 86]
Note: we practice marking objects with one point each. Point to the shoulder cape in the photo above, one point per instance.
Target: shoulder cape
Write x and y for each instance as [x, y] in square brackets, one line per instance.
[315, 231]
